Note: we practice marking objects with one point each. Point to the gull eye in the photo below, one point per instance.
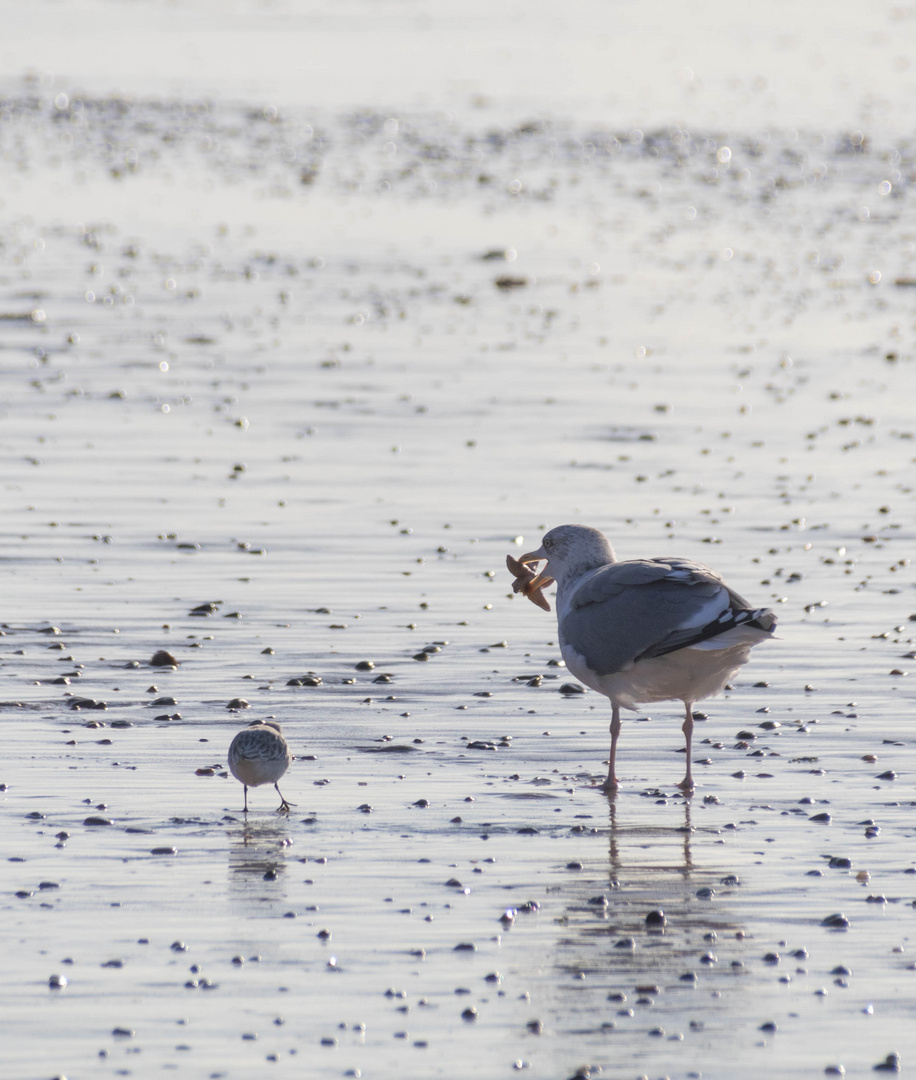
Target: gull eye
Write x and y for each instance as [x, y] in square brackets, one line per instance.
[548, 544]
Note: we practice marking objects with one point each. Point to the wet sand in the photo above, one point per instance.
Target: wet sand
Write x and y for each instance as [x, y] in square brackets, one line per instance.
[314, 372]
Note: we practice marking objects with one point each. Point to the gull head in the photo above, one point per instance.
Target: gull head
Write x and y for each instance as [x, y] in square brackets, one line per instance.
[570, 551]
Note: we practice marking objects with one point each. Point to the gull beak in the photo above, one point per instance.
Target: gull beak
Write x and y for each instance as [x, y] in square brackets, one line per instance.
[533, 587]
[540, 580]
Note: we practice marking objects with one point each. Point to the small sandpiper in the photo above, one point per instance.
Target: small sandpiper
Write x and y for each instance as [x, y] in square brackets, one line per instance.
[259, 755]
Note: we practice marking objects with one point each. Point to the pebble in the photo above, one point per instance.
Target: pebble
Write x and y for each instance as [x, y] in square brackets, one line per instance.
[161, 658]
[837, 921]
[203, 610]
[890, 1064]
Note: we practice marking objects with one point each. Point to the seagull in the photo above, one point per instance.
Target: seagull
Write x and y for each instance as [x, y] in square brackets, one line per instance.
[259, 755]
[642, 629]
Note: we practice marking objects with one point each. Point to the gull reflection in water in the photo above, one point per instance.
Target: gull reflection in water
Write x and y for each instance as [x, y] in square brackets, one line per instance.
[671, 837]
[647, 911]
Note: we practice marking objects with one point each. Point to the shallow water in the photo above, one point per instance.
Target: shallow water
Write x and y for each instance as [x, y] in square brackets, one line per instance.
[323, 368]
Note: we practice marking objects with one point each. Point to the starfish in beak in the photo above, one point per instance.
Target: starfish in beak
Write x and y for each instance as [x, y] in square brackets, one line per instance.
[527, 581]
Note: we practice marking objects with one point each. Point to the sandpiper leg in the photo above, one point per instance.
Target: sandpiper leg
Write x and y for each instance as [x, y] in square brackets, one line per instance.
[245, 786]
[284, 806]
[687, 783]
[612, 783]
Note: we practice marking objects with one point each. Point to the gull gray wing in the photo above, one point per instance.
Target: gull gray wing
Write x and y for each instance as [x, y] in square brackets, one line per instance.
[641, 608]
[751, 625]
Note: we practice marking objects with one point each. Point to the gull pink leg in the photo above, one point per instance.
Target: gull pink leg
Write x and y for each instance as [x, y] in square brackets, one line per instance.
[687, 783]
[612, 783]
